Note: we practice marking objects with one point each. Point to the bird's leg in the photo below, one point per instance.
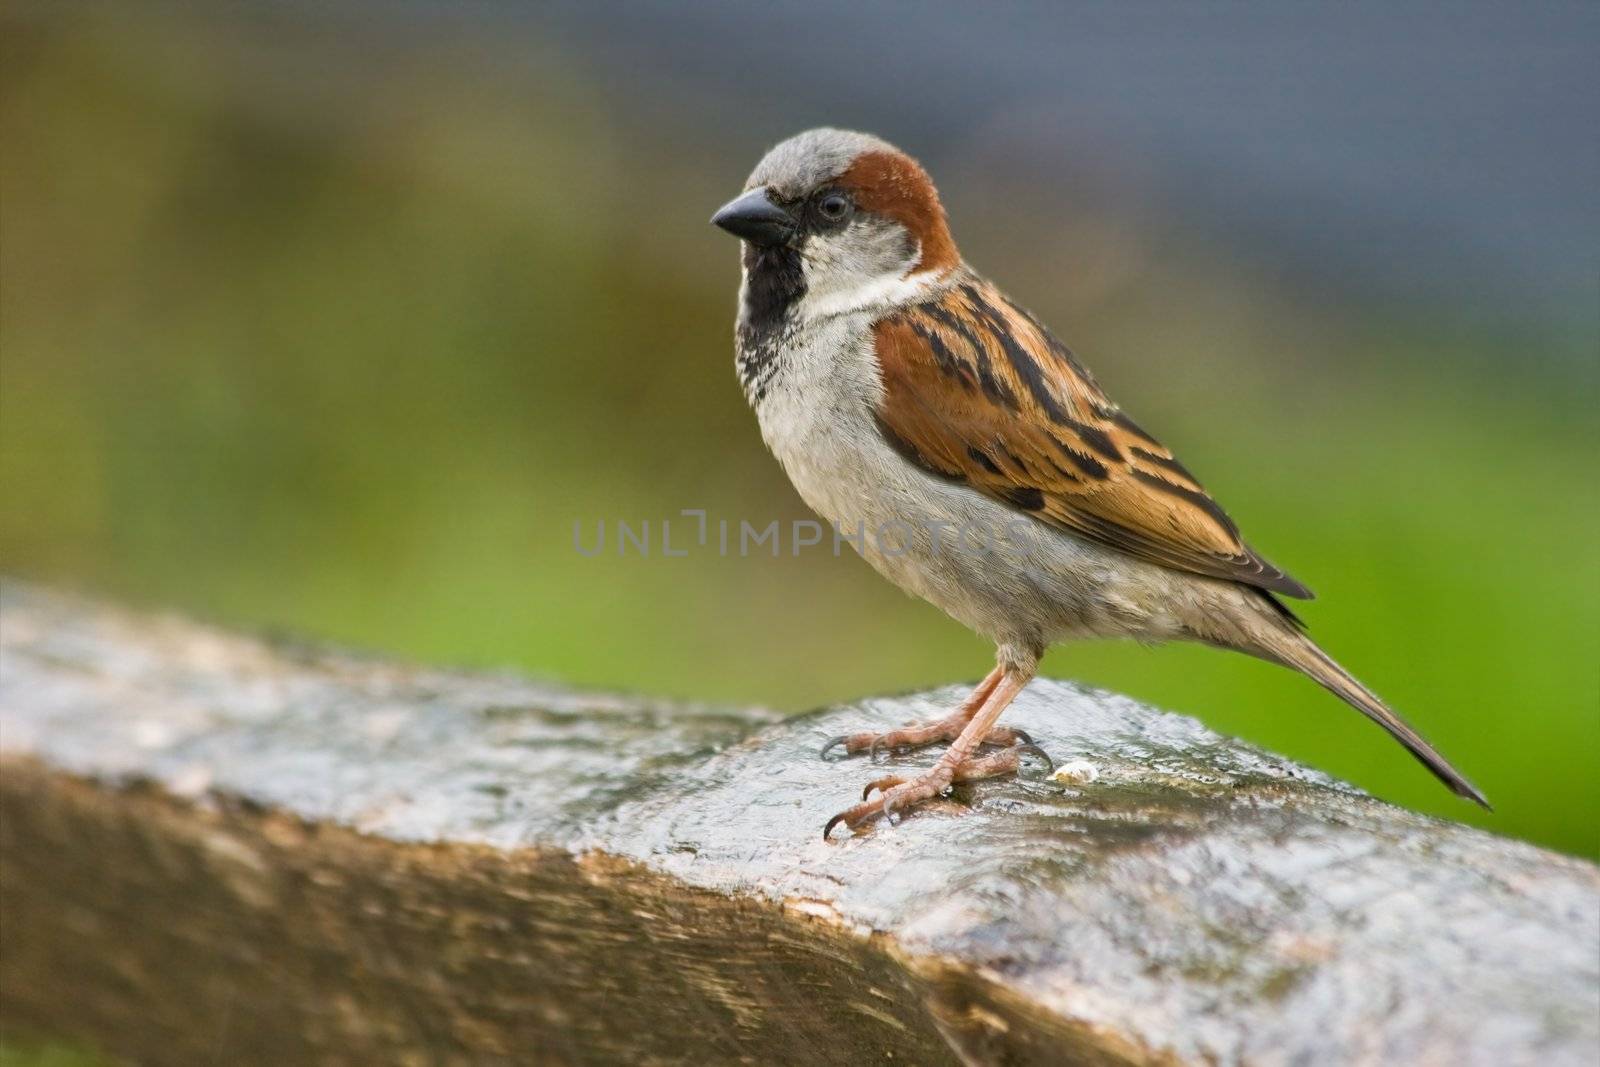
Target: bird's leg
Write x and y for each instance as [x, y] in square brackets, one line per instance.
[956, 765]
[914, 735]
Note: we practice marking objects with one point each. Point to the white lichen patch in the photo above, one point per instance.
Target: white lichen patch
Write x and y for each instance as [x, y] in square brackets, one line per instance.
[1077, 772]
[817, 909]
[192, 782]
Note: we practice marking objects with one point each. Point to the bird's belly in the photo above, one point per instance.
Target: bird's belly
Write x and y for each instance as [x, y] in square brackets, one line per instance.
[1005, 575]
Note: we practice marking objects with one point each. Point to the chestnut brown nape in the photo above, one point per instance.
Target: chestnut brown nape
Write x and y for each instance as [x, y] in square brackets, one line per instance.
[895, 185]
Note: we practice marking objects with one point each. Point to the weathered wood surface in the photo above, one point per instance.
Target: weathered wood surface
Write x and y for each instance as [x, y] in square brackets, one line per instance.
[215, 849]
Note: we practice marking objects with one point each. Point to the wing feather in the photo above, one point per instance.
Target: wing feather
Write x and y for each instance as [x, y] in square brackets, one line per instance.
[976, 390]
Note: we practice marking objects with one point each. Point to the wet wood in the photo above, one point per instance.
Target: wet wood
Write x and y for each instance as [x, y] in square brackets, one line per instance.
[219, 849]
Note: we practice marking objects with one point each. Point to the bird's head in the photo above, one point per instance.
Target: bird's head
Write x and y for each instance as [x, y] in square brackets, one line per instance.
[853, 213]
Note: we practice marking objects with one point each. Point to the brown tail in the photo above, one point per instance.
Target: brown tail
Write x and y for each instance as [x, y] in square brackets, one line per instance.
[1294, 649]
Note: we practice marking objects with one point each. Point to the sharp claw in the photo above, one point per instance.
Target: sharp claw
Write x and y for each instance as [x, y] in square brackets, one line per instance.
[881, 783]
[832, 741]
[1033, 749]
[828, 829]
[1027, 739]
[872, 753]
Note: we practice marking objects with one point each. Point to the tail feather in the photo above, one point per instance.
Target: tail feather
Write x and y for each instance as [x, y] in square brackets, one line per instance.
[1296, 650]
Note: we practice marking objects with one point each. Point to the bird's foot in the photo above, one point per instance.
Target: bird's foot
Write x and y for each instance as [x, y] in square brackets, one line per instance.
[898, 795]
[916, 734]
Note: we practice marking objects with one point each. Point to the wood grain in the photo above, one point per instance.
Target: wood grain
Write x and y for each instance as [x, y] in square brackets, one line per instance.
[220, 849]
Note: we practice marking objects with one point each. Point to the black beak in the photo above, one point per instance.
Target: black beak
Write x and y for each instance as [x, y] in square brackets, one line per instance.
[755, 218]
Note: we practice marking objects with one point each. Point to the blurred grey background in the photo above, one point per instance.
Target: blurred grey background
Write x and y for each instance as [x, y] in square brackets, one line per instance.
[1437, 155]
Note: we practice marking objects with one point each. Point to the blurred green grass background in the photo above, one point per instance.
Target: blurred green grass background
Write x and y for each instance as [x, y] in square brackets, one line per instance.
[342, 338]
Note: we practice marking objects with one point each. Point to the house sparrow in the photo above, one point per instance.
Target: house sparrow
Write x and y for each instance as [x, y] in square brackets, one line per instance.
[912, 403]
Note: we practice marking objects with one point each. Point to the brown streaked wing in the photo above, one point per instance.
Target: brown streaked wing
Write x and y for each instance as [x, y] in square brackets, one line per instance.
[977, 391]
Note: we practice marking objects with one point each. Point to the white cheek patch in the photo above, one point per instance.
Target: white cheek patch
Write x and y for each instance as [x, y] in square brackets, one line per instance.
[856, 270]
[826, 262]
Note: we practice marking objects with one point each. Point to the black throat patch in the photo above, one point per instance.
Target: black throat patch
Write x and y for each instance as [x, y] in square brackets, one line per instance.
[774, 282]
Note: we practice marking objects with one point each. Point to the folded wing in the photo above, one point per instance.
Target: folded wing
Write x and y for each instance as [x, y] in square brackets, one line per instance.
[977, 391]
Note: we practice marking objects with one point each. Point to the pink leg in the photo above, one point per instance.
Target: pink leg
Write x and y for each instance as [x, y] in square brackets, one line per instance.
[914, 735]
[956, 765]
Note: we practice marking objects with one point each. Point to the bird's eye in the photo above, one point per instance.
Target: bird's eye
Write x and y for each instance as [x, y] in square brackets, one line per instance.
[834, 206]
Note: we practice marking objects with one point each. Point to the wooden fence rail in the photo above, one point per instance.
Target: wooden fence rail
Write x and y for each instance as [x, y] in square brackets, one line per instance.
[216, 849]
